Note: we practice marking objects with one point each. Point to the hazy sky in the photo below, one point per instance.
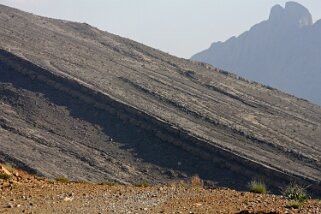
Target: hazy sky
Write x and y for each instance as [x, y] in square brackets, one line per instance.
[179, 27]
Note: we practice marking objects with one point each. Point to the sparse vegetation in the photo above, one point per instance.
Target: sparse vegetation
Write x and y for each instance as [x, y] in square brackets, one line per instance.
[179, 184]
[196, 181]
[187, 192]
[6, 170]
[62, 179]
[142, 183]
[9, 167]
[193, 182]
[257, 187]
[294, 204]
[4, 176]
[296, 192]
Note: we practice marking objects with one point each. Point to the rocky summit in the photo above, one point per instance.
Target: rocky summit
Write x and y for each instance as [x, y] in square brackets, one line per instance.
[283, 52]
[81, 103]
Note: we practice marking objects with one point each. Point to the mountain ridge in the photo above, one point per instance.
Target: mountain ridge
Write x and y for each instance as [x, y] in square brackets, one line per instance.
[281, 52]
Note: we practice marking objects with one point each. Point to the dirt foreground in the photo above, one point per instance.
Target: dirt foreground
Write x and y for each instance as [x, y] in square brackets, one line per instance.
[24, 193]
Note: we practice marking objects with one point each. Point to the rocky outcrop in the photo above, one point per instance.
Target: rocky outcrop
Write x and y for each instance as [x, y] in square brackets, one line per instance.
[282, 52]
[87, 104]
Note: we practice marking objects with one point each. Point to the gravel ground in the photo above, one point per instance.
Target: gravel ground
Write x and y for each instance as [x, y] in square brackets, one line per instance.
[24, 193]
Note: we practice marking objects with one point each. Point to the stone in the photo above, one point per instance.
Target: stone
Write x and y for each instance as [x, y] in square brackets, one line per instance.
[10, 205]
[68, 199]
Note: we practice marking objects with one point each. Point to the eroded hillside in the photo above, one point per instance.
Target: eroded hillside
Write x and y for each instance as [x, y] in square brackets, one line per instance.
[85, 103]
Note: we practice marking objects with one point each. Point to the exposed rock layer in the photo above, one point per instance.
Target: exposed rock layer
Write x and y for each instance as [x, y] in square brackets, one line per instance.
[87, 104]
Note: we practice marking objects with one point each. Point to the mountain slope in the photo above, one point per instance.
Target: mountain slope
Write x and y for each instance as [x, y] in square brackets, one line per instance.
[283, 52]
[84, 103]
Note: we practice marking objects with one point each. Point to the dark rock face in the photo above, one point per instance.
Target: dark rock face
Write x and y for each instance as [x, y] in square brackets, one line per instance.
[283, 52]
[79, 102]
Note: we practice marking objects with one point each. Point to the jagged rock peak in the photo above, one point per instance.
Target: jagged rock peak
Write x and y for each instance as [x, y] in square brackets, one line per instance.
[293, 13]
[276, 12]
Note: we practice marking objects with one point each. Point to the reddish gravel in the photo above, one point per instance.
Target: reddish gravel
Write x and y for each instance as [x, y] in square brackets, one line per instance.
[24, 193]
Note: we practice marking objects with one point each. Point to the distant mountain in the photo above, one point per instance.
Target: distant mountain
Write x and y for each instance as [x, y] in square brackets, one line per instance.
[283, 51]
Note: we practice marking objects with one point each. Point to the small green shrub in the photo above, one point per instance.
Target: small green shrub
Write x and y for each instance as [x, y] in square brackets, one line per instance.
[182, 184]
[4, 176]
[294, 204]
[257, 187]
[9, 167]
[296, 193]
[62, 179]
[142, 183]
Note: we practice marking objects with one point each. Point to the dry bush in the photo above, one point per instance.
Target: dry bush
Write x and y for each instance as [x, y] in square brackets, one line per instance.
[4, 176]
[257, 187]
[142, 183]
[196, 181]
[62, 179]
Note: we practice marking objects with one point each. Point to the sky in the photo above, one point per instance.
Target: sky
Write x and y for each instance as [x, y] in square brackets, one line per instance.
[179, 27]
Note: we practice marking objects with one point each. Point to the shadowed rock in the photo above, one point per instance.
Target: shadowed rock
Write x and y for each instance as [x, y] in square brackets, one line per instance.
[86, 104]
